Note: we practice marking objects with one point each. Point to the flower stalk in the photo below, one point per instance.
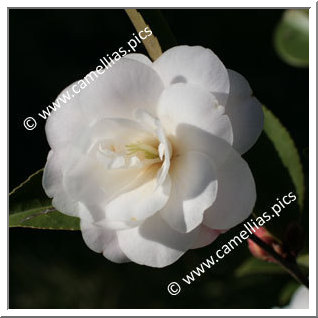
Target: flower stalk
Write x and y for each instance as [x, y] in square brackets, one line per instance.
[151, 43]
[289, 265]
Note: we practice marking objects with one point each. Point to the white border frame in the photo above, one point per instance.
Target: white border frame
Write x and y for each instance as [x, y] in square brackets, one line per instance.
[312, 159]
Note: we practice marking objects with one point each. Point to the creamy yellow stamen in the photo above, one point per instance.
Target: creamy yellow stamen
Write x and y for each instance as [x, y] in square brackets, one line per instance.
[147, 151]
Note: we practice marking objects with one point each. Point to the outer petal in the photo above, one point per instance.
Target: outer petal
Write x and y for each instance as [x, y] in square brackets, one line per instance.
[54, 182]
[128, 85]
[189, 104]
[67, 122]
[104, 241]
[154, 243]
[206, 236]
[245, 113]
[236, 194]
[71, 189]
[194, 189]
[53, 186]
[140, 58]
[194, 65]
[190, 138]
[236, 188]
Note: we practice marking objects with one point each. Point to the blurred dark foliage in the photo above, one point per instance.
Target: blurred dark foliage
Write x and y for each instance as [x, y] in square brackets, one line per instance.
[50, 49]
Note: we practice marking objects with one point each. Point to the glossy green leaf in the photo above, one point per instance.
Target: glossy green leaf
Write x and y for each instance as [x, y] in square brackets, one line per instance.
[286, 149]
[292, 38]
[44, 218]
[277, 171]
[256, 266]
[30, 207]
[303, 260]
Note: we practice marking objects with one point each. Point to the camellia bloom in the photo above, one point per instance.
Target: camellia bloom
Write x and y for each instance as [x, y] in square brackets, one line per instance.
[149, 155]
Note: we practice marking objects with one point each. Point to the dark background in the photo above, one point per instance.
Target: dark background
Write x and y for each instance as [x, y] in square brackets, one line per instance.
[48, 50]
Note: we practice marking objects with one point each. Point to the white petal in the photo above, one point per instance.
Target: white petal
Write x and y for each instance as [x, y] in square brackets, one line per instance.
[139, 57]
[118, 92]
[206, 237]
[194, 189]
[154, 243]
[104, 241]
[190, 138]
[128, 85]
[189, 104]
[88, 182]
[67, 122]
[236, 189]
[105, 192]
[88, 178]
[142, 201]
[53, 186]
[194, 65]
[245, 113]
[236, 194]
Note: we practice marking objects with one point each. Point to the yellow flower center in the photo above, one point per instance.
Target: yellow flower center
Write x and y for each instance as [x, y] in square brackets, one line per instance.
[142, 151]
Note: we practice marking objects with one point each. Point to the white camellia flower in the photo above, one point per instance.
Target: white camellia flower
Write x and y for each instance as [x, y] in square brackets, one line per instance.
[149, 155]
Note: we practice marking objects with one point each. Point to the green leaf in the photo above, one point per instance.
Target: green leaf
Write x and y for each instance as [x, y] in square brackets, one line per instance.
[287, 292]
[277, 171]
[30, 207]
[286, 150]
[256, 266]
[44, 218]
[253, 266]
[303, 260]
[291, 38]
[29, 194]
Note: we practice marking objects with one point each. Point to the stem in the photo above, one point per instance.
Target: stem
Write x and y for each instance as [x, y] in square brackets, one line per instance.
[151, 43]
[290, 266]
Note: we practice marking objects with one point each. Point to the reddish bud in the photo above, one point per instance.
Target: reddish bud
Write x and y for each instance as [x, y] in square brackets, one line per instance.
[267, 238]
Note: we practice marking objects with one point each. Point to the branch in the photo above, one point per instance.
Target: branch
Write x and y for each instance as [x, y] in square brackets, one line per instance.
[291, 267]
